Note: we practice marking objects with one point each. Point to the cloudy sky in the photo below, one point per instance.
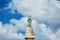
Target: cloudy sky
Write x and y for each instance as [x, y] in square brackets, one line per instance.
[45, 16]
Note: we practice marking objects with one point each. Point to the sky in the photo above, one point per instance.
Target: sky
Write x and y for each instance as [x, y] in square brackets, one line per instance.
[45, 16]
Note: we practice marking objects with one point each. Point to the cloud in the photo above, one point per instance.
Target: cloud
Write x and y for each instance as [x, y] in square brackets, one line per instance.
[56, 3]
[9, 32]
[43, 10]
[20, 24]
[48, 32]
[58, 34]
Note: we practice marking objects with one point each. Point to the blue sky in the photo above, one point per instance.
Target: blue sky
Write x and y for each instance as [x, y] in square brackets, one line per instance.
[5, 14]
[45, 14]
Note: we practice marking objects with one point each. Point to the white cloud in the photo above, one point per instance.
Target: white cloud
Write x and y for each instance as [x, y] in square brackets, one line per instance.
[20, 24]
[0, 23]
[58, 34]
[43, 10]
[48, 32]
[9, 32]
[56, 3]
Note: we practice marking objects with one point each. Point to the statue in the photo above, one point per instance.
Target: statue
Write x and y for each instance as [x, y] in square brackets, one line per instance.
[29, 21]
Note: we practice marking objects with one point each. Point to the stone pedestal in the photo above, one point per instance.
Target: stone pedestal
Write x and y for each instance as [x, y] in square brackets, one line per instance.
[29, 34]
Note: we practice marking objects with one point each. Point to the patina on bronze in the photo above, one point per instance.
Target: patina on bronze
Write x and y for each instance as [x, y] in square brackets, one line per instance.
[29, 21]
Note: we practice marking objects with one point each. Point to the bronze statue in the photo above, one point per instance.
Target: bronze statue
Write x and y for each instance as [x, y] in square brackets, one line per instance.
[29, 21]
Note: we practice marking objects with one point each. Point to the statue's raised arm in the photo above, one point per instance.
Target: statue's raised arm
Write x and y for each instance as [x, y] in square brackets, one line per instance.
[29, 21]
